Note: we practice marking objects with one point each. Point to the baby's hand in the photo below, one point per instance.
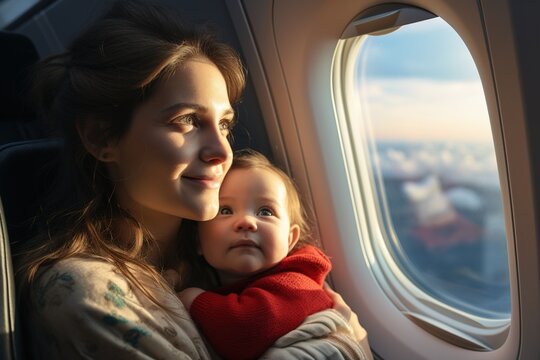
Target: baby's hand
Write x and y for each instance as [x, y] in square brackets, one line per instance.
[188, 295]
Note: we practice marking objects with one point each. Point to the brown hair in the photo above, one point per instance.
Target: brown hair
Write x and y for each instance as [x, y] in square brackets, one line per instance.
[108, 71]
[195, 270]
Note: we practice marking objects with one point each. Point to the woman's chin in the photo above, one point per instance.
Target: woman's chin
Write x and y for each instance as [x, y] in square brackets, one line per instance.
[207, 213]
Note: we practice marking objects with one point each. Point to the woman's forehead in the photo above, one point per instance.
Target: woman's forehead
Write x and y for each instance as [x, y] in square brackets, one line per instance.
[197, 81]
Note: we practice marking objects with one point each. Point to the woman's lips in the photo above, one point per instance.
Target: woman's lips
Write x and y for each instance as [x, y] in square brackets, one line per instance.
[206, 182]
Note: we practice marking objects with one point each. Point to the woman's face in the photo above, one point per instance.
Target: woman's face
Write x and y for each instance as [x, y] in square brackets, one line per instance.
[175, 154]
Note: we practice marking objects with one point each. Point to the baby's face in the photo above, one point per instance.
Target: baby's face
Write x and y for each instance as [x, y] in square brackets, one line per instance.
[252, 231]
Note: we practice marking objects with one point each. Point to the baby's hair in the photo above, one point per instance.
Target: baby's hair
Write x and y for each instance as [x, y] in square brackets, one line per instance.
[195, 270]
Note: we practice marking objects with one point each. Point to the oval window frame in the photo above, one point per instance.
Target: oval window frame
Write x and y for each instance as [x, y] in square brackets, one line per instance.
[436, 317]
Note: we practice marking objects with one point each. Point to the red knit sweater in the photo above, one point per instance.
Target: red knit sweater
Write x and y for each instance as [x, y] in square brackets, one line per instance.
[242, 320]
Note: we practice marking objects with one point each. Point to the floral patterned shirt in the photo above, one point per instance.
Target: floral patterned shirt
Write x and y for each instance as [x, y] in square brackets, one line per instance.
[85, 308]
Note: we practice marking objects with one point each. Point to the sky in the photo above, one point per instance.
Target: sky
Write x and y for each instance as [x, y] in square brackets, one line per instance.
[420, 83]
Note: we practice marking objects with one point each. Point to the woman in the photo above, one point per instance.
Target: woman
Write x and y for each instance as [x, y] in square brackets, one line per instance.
[146, 108]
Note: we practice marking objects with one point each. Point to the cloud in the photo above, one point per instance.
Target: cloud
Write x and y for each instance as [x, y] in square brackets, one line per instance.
[421, 109]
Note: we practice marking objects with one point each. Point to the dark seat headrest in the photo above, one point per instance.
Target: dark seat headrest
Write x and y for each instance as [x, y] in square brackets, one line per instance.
[18, 54]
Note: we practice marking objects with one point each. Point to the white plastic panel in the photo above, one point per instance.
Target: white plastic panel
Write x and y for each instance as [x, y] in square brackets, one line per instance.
[292, 58]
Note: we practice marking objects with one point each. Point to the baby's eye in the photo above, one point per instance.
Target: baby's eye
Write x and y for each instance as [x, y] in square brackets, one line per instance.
[225, 211]
[265, 212]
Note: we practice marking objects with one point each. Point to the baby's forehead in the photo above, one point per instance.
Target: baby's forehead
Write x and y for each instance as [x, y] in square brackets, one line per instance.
[257, 179]
[255, 172]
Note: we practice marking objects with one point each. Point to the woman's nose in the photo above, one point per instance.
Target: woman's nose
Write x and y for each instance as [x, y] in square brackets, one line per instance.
[216, 148]
[245, 223]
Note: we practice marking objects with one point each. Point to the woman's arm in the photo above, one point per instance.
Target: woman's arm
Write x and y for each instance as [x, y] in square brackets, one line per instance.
[323, 335]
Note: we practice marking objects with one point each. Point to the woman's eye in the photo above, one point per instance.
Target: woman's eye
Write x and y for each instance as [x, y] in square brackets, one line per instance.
[226, 125]
[225, 211]
[188, 120]
[265, 212]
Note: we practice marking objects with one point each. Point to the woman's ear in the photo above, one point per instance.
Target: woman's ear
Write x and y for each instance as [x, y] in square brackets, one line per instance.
[294, 235]
[93, 134]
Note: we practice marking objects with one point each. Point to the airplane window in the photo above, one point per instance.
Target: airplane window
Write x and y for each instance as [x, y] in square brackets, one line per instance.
[421, 136]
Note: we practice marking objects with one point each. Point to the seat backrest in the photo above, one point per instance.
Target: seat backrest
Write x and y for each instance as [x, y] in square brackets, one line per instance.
[22, 166]
[27, 170]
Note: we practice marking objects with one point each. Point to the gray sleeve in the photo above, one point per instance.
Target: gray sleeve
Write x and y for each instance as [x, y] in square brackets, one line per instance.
[323, 335]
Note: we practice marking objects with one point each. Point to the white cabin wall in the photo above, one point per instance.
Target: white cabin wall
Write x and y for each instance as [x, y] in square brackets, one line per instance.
[291, 46]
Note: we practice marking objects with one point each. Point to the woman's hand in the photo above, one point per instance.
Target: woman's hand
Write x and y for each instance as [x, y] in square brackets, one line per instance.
[340, 306]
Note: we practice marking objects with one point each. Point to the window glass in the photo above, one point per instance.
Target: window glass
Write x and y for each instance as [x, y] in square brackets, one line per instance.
[434, 167]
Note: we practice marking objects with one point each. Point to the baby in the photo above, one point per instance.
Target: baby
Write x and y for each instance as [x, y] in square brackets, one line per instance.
[271, 278]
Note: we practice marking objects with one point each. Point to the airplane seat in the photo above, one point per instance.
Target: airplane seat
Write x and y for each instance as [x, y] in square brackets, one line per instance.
[27, 171]
[18, 120]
